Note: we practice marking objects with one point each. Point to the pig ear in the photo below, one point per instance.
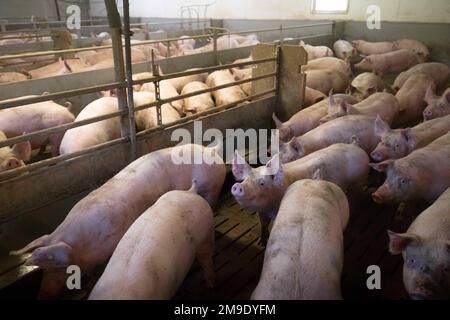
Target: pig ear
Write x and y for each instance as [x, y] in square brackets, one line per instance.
[381, 127]
[429, 95]
[447, 96]
[382, 166]
[347, 108]
[399, 241]
[277, 121]
[58, 255]
[22, 150]
[406, 133]
[372, 90]
[296, 145]
[240, 168]
[350, 90]
[332, 104]
[275, 169]
[317, 175]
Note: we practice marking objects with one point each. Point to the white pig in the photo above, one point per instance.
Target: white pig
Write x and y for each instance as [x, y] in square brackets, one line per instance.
[155, 254]
[425, 248]
[440, 73]
[6, 77]
[415, 46]
[304, 257]
[325, 80]
[312, 96]
[351, 128]
[198, 103]
[398, 143]
[34, 117]
[227, 95]
[369, 48]
[167, 91]
[315, 52]
[344, 50]
[11, 158]
[364, 85]
[307, 119]
[261, 190]
[329, 63]
[93, 228]
[437, 106]
[395, 61]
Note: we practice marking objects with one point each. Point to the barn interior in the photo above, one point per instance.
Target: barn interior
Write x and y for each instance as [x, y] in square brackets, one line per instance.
[75, 53]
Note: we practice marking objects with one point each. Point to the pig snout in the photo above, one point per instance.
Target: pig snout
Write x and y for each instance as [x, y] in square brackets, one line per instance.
[377, 156]
[11, 164]
[427, 115]
[237, 190]
[378, 196]
[420, 294]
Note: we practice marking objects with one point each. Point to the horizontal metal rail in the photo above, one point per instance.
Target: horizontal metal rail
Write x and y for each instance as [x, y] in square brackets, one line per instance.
[277, 29]
[10, 103]
[55, 160]
[29, 36]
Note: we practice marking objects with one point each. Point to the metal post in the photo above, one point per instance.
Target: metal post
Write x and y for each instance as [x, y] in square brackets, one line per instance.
[116, 37]
[168, 50]
[216, 59]
[155, 71]
[333, 31]
[281, 34]
[58, 13]
[129, 77]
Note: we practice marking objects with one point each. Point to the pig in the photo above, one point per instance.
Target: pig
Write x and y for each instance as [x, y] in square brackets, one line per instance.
[425, 248]
[391, 62]
[140, 76]
[436, 106]
[242, 74]
[364, 85]
[304, 257]
[186, 40]
[93, 228]
[315, 52]
[227, 95]
[248, 59]
[440, 73]
[411, 98]
[260, 190]
[381, 104]
[415, 46]
[147, 118]
[198, 103]
[34, 117]
[167, 91]
[54, 69]
[369, 48]
[175, 230]
[180, 82]
[344, 50]
[398, 143]
[312, 96]
[6, 77]
[12, 158]
[79, 138]
[325, 80]
[351, 128]
[306, 119]
[420, 176]
[329, 63]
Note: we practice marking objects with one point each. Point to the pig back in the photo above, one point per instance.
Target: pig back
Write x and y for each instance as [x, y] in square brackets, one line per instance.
[155, 254]
[304, 255]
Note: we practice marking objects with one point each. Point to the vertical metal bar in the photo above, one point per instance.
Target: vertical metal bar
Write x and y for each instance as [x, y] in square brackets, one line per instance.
[278, 70]
[216, 59]
[119, 70]
[129, 77]
[333, 30]
[155, 71]
[168, 50]
[281, 34]
[58, 13]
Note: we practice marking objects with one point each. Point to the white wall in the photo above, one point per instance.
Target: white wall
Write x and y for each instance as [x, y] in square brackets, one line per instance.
[391, 10]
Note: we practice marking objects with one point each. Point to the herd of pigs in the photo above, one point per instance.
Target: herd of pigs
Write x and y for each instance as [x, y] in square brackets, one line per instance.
[148, 234]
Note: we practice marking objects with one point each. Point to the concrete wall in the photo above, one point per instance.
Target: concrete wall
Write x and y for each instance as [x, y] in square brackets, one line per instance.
[391, 10]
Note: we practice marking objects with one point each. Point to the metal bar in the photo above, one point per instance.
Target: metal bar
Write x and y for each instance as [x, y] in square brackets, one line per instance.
[155, 71]
[216, 59]
[11, 103]
[195, 93]
[129, 78]
[119, 70]
[276, 29]
[58, 13]
[55, 160]
[60, 128]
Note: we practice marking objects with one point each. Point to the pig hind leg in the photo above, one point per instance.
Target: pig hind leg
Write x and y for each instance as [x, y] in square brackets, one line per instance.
[205, 258]
[55, 141]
